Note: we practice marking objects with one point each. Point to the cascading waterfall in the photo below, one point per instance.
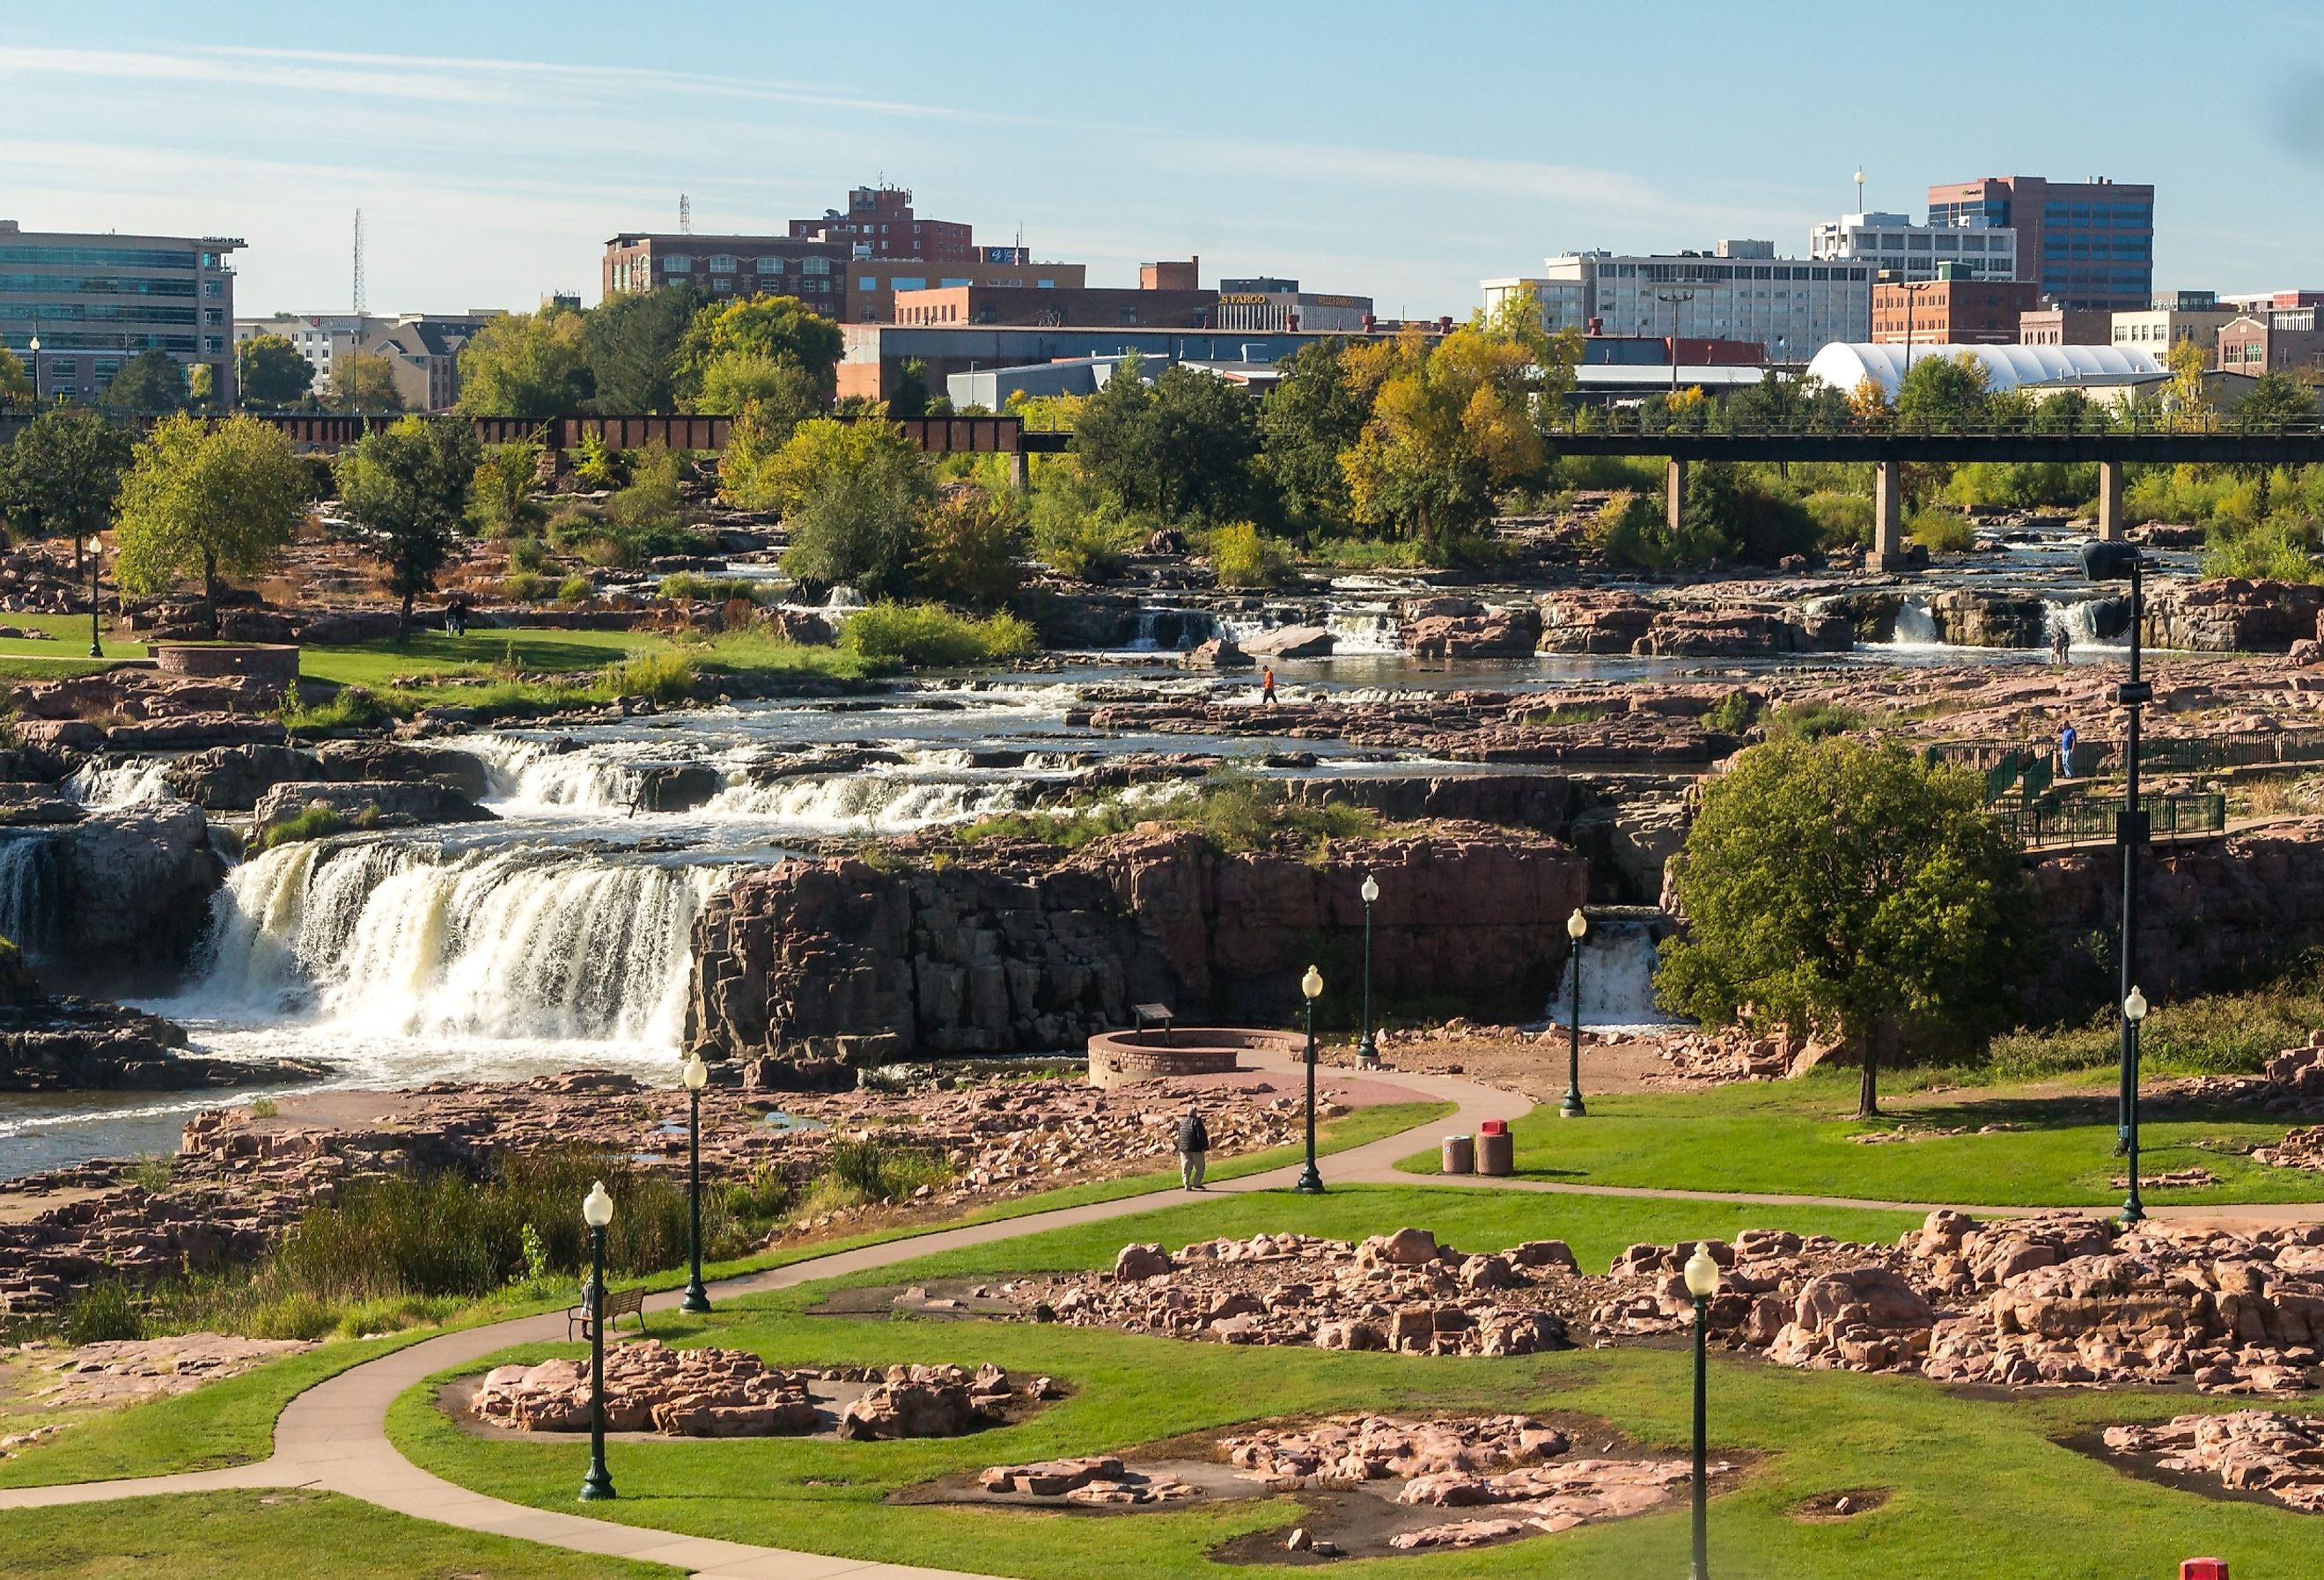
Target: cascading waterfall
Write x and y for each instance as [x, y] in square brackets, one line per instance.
[877, 803]
[2075, 619]
[27, 891]
[1618, 979]
[103, 786]
[1915, 627]
[1364, 630]
[543, 773]
[404, 938]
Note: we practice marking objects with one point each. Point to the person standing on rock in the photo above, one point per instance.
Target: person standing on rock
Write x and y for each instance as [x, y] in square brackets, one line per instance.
[1267, 685]
[1193, 1148]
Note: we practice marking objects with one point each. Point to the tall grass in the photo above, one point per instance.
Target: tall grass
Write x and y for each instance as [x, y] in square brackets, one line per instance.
[2227, 1033]
[929, 635]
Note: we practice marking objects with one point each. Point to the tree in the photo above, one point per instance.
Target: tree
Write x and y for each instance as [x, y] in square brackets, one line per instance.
[784, 391]
[1831, 886]
[502, 491]
[1449, 425]
[1942, 392]
[911, 396]
[778, 329]
[212, 501]
[1310, 416]
[631, 344]
[269, 371]
[525, 364]
[1183, 448]
[16, 383]
[2189, 397]
[970, 548]
[2274, 399]
[1787, 403]
[852, 493]
[407, 485]
[362, 381]
[61, 477]
[149, 382]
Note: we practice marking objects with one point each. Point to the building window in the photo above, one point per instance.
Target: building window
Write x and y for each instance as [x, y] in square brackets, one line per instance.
[678, 265]
[770, 266]
[723, 264]
[815, 265]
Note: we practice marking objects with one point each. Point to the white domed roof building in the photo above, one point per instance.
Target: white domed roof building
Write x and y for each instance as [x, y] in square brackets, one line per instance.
[1844, 364]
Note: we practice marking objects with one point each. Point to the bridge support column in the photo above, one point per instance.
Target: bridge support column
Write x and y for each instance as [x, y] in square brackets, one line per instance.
[1675, 493]
[2109, 501]
[1889, 518]
[1020, 471]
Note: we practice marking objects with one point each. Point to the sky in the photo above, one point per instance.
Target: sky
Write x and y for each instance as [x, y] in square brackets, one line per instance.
[1396, 151]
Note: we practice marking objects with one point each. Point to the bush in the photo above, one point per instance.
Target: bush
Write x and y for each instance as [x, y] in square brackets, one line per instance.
[525, 586]
[1630, 533]
[663, 677]
[1842, 521]
[2275, 550]
[596, 464]
[576, 589]
[929, 635]
[1941, 531]
[526, 554]
[652, 499]
[686, 586]
[1242, 555]
[1733, 713]
[1815, 721]
[354, 707]
[104, 1313]
[569, 530]
[969, 550]
[1078, 532]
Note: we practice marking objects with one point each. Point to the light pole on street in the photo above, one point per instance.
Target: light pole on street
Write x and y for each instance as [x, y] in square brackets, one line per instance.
[1702, 1283]
[696, 1075]
[1577, 928]
[597, 1212]
[1311, 1182]
[1367, 1051]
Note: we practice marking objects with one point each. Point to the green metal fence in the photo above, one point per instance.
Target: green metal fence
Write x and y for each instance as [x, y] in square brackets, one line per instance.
[2063, 819]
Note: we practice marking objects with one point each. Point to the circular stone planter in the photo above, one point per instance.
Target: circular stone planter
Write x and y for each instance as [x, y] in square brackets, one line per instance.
[1119, 1057]
[276, 663]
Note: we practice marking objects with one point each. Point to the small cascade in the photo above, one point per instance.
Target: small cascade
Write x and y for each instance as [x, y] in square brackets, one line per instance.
[873, 803]
[2074, 618]
[1165, 629]
[1916, 626]
[135, 782]
[1618, 979]
[28, 891]
[402, 937]
[551, 774]
[842, 601]
[1365, 629]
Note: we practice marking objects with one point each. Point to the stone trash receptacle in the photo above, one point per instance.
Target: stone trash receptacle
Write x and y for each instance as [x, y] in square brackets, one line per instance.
[1496, 1148]
[1460, 1155]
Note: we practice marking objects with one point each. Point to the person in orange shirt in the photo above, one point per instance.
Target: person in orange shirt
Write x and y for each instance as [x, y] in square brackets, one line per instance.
[1267, 685]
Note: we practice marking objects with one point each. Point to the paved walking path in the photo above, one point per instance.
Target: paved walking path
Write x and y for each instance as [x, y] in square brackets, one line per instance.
[334, 1436]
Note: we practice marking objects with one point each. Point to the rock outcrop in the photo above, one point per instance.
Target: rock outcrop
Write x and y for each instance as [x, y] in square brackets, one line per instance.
[373, 803]
[704, 1392]
[2231, 615]
[117, 890]
[2262, 1451]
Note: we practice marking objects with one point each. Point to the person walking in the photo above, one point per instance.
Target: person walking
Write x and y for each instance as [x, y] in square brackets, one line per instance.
[1267, 685]
[2068, 739]
[1193, 1148]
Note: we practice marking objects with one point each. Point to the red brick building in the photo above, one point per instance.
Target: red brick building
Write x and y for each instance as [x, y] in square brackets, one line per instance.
[1951, 312]
[2065, 325]
[879, 223]
[2283, 342]
[1087, 308]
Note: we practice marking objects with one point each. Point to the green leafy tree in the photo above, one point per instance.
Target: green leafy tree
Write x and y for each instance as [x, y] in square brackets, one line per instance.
[1831, 886]
[970, 548]
[408, 486]
[852, 493]
[1182, 448]
[60, 477]
[269, 371]
[1942, 392]
[152, 381]
[1450, 425]
[204, 500]
[2274, 400]
[526, 365]
[777, 329]
[631, 342]
[502, 493]
[364, 381]
[1312, 415]
[784, 392]
[16, 383]
[1787, 403]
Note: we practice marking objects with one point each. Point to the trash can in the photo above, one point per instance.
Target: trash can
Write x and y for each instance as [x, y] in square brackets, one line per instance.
[1460, 1155]
[1495, 1149]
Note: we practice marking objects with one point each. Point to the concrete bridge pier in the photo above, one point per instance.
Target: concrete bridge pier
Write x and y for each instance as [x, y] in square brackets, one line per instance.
[1675, 493]
[2110, 525]
[1021, 472]
[1889, 518]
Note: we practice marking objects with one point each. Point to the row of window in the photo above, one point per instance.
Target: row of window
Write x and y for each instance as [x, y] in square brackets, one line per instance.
[98, 284]
[2096, 214]
[2122, 249]
[727, 264]
[67, 312]
[100, 258]
[82, 340]
[1685, 271]
[1922, 241]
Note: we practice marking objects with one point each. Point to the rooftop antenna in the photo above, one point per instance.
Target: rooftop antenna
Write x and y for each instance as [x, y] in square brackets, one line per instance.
[357, 297]
[684, 214]
[1859, 189]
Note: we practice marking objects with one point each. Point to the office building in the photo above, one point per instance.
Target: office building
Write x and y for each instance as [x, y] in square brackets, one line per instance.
[2174, 316]
[96, 300]
[816, 272]
[320, 337]
[2085, 244]
[879, 223]
[2285, 341]
[993, 304]
[1271, 304]
[1950, 311]
[873, 286]
[1895, 246]
[2065, 325]
[1741, 291]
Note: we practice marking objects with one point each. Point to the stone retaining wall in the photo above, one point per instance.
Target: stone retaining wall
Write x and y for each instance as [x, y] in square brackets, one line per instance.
[276, 666]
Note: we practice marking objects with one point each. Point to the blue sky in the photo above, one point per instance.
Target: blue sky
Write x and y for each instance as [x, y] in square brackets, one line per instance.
[1403, 152]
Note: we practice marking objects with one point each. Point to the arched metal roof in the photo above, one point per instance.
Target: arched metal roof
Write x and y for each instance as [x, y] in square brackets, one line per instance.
[1844, 364]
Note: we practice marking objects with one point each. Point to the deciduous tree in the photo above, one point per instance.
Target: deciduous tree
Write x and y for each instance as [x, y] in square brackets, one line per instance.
[408, 486]
[269, 371]
[1182, 448]
[61, 477]
[776, 328]
[16, 383]
[631, 343]
[1310, 417]
[206, 501]
[852, 493]
[526, 365]
[362, 381]
[152, 381]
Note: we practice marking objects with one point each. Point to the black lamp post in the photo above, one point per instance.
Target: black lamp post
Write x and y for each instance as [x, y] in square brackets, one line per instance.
[1311, 1183]
[1702, 1283]
[596, 1211]
[2134, 1011]
[696, 1074]
[2109, 617]
[33, 346]
[1367, 1051]
[1577, 926]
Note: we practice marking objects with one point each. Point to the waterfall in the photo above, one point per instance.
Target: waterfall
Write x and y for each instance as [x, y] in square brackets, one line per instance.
[401, 937]
[1915, 627]
[2074, 619]
[1365, 630]
[551, 774]
[103, 786]
[1618, 979]
[843, 600]
[873, 803]
[1161, 627]
[28, 891]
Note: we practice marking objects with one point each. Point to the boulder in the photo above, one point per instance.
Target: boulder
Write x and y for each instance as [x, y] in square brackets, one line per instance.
[133, 887]
[1496, 633]
[231, 779]
[373, 761]
[909, 1409]
[1218, 653]
[378, 802]
[1290, 642]
[677, 786]
[2231, 615]
[1136, 1263]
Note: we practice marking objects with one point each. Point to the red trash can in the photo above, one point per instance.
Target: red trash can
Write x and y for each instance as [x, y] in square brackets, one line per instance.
[2203, 1569]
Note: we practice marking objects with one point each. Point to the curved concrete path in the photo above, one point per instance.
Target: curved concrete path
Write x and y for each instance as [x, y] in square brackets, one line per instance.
[334, 1436]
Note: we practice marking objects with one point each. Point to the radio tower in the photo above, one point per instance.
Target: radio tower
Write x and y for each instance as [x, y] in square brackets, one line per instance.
[684, 214]
[358, 300]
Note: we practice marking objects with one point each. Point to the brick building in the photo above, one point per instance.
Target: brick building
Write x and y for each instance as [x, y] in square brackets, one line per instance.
[1103, 308]
[2065, 325]
[2083, 244]
[816, 272]
[2286, 341]
[879, 223]
[1951, 312]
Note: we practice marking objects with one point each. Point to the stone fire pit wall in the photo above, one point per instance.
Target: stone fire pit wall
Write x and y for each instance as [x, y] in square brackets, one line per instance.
[986, 954]
[275, 665]
[1118, 1058]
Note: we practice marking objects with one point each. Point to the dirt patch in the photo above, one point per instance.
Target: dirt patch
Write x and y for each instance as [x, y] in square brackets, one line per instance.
[1831, 1507]
[2149, 1467]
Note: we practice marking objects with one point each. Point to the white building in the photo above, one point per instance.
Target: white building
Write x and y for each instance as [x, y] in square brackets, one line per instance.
[1271, 306]
[1739, 292]
[319, 337]
[1845, 366]
[1893, 245]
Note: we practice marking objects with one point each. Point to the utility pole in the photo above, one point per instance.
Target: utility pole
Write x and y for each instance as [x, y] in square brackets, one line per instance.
[356, 297]
[1674, 297]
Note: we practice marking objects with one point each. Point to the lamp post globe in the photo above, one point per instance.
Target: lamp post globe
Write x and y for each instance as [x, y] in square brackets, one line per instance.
[596, 1212]
[1577, 928]
[2133, 1012]
[695, 1075]
[1367, 1051]
[1311, 987]
[1702, 1283]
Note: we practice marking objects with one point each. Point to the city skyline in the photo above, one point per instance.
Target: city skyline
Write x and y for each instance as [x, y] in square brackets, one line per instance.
[1346, 153]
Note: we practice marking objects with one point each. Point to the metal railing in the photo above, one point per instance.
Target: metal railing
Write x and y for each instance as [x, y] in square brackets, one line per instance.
[2065, 819]
[2007, 765]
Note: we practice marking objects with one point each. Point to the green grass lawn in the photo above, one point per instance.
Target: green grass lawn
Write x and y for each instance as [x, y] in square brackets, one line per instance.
[1980, 1488]
[1791, 1138]
[313, 1536]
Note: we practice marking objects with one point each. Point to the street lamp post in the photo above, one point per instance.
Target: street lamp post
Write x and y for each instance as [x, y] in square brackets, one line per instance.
[1675, 298]
[2134, 1011]
[596, 1211]
[1367, 1051]
[1702, 1283]
[1577, 926]
[33, 346]
[1311, 1182]
[696, 1074]
[2109, 617]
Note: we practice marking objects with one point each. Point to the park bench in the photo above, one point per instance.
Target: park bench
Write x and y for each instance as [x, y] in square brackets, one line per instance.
[619, 1303]
[1152, 1015]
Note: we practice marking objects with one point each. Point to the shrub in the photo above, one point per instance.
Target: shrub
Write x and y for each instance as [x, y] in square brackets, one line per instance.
[929, 635]
[313, 823]
[969, 550]
[686, 586]
[1078, 532]
[576, 589]
[1941, 531]
[354, 707]
[1815, 721]
[662, 677]
[1242, 555]
[596, 464]
[2275, 550]
[526, 554]
[104, 1313]
[500, 497]
[651, 498]
[1630, 533]
[1841, 520]
[569, 529]
[1733, 713]
[525, 586]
